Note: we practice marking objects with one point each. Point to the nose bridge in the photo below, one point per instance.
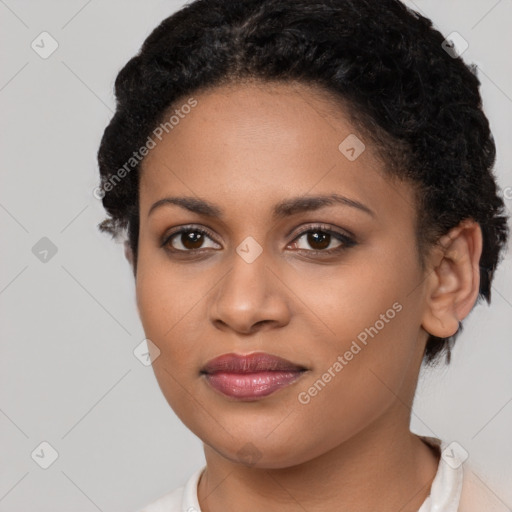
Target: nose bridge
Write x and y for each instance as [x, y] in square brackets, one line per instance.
[249, 292]
[246, 284]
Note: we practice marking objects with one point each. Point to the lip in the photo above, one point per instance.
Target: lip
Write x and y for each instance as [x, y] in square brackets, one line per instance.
[252, 376]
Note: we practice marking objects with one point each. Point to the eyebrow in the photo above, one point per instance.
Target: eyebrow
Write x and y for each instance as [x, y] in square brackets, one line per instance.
[283, 209]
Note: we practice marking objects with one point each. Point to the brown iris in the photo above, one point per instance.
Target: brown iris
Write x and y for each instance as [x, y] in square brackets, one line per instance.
[192, 239]
[317, 237]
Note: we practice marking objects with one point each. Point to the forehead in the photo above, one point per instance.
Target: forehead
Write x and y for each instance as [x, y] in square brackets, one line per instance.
[253, 144]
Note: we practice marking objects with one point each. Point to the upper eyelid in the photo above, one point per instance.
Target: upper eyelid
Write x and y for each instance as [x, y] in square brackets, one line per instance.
[327, 228]
[188, 227]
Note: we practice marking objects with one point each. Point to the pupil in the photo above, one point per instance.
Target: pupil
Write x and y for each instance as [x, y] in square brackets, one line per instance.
[192, 239]
[313, 239]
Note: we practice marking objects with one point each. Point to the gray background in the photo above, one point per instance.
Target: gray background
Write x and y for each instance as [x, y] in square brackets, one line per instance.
[69, 326]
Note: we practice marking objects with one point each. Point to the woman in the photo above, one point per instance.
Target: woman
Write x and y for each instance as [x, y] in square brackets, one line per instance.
[310, 210]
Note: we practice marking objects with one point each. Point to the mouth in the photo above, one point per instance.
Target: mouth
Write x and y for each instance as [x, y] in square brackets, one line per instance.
[250, 377]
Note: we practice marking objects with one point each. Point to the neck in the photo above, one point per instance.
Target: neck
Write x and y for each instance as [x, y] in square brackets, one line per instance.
[385, 468]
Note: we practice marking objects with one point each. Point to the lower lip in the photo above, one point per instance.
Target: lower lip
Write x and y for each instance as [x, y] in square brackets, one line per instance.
[251, 386]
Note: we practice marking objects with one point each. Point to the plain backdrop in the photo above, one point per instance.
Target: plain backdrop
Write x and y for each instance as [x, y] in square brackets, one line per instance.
[69, 324]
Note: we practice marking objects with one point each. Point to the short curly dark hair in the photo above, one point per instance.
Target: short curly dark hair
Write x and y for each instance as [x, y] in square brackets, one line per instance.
[418, 103]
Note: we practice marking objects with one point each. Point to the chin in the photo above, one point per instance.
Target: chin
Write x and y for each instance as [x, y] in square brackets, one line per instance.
[260, 451]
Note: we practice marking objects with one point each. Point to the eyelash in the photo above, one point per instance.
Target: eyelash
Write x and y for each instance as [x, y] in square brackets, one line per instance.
[346, 241]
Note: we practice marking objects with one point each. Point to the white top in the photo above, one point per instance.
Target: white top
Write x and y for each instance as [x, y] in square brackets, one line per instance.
[455, 488]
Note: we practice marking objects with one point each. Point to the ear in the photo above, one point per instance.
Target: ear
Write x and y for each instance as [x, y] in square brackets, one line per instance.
[454, 279]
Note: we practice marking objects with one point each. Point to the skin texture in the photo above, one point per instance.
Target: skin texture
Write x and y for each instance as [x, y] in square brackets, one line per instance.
[244, 149]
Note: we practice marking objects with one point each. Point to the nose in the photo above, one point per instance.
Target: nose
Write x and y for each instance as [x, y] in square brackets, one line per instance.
[250, 297]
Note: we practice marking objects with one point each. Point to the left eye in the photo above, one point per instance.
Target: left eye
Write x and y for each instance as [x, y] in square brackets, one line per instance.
[321, 238]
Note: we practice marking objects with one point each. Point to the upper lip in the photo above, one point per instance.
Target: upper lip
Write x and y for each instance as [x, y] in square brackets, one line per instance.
[249, 363]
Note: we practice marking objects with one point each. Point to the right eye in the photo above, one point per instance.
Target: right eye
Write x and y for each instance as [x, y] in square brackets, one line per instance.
[186, 239]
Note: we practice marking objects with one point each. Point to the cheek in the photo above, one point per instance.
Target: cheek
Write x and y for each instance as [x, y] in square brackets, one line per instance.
[171, 308]
[371, 318]
[165, 295]
[166, 313]
[356, 382]
[370, 297]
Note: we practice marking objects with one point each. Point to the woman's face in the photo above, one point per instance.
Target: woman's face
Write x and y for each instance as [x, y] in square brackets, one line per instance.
[334, 288]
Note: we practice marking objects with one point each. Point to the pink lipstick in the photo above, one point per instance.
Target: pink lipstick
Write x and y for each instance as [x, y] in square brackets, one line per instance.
[252, 376]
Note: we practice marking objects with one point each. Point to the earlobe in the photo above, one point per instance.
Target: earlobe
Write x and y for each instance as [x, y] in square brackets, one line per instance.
[454, 280]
